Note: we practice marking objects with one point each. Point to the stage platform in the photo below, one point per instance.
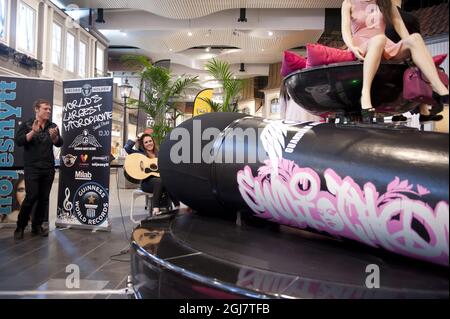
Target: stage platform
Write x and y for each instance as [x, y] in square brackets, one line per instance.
[184, 255]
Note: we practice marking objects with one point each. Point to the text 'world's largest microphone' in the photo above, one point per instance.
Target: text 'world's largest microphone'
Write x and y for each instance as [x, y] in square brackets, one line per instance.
[383, 187]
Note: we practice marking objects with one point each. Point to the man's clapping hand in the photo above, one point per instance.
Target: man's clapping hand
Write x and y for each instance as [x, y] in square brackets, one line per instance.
[35, 127]
[54, 134]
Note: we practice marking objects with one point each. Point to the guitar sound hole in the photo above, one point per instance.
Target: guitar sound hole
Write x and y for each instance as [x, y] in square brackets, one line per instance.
[153, 167]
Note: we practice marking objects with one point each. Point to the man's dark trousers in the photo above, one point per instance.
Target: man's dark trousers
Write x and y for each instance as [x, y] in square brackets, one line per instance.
[38, 183]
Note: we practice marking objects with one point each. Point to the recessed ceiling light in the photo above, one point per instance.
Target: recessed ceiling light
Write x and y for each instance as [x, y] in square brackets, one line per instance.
[170, 50]
[208, 49]
[190, 34]
[270, 33]
[262, 50]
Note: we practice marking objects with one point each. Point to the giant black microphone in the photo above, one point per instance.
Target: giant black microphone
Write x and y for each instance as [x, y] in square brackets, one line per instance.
[383, 186]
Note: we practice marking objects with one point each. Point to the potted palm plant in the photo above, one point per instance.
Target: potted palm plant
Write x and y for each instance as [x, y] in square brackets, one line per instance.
[232, 87]
[159, 92]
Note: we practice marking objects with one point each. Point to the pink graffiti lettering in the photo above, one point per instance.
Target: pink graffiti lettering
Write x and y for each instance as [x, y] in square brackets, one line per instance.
[295, 198]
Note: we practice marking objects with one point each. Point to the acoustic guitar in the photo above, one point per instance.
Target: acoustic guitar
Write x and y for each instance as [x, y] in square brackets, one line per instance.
[138, 167]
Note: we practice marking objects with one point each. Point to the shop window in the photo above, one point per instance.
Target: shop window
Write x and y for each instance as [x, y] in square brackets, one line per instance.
[56, 44]
[275, 106]
[82, 59]
[70, 52]
[26, 28]
[99, 61]
[3, 22]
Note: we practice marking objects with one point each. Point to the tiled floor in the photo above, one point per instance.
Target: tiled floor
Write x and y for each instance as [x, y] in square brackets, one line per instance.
[38, 263]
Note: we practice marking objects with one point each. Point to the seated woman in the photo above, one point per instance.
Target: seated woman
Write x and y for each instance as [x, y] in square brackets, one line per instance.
[151, 184]
[412, 24]
[363, 31]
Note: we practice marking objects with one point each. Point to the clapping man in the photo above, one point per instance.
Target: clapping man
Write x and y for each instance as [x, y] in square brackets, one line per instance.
[37, 136]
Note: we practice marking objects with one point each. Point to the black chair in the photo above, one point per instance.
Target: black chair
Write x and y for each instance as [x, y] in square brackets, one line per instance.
[335, 89]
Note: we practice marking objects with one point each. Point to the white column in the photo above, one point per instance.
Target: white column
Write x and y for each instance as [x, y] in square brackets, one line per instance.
[92, 57]
[77, 53]
[47, 41]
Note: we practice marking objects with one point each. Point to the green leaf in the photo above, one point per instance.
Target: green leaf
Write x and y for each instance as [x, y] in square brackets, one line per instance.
[136, 61]
[221, 71]
[159, 90]
[215, 107]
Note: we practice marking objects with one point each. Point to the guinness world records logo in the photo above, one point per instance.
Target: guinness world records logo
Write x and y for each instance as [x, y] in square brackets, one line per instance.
[91, 203]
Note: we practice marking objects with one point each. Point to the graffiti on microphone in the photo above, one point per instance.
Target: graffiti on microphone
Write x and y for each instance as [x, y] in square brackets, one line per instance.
[397, 220]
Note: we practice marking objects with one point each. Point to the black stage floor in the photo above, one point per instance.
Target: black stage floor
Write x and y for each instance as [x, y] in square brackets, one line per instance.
[197, 256]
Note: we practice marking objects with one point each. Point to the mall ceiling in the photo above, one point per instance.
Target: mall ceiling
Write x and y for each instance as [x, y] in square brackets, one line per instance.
[190, 32]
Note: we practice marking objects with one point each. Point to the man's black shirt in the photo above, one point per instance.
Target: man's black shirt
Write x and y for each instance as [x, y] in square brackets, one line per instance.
[38, 153]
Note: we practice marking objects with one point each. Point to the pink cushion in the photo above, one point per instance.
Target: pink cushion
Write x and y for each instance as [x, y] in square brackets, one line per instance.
[292, 62]
[322, 55]
[438, 59]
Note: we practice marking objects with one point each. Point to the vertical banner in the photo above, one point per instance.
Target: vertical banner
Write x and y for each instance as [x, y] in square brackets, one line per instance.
[15, 195]
[17, 96]
[83, 194]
